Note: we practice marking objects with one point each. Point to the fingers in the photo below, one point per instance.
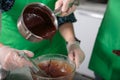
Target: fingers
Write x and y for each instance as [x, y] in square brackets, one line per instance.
[10, 58]
[29, 53]
[71, 56]
[77, 55]
[75, 58]
[58, 4]
[21, 61]
[69, 11]
[13, 60]
[67, 7]
[72, 9]
[24, 60]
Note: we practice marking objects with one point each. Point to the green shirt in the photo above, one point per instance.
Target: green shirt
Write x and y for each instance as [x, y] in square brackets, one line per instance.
[10, 36]
[103, 61]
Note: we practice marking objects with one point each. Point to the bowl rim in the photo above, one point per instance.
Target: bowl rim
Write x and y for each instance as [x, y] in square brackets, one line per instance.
[50, 78]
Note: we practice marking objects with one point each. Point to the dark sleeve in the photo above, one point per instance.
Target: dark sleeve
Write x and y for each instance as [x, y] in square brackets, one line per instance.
[71, 18]
[6, 5]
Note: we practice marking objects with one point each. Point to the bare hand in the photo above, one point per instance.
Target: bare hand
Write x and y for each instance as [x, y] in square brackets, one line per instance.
[67, 6]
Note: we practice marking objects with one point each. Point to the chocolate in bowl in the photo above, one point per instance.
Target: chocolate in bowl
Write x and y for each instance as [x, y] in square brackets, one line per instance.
[57, 66]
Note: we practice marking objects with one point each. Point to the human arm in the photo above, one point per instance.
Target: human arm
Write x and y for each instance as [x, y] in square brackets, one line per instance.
[67, 31]
[75, 53]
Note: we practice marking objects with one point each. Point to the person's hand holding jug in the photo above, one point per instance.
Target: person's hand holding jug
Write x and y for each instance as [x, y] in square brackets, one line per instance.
[67, 6]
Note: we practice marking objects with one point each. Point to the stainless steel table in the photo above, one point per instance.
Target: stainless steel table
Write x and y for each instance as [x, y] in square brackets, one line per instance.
[24, 74]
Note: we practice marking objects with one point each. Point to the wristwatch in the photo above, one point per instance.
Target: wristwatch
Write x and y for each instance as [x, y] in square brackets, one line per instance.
[76, 40]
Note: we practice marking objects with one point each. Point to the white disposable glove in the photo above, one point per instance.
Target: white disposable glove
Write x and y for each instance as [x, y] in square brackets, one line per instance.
[10, 58]
[66, 6]
[75, 53]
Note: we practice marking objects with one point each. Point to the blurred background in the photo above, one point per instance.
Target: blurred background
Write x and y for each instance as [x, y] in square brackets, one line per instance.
[89, 16]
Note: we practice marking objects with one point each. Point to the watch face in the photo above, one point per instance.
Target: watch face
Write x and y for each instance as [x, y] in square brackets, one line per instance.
[6, 5]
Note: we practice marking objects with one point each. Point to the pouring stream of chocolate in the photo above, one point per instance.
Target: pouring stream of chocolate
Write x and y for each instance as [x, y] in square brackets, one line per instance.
[39, 20]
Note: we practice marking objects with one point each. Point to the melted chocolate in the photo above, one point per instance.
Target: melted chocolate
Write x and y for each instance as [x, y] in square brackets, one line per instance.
[38, 19]
[117, 52]
[56, 68]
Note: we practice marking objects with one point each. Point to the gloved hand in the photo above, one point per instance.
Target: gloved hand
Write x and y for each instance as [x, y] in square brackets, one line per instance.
[75, 53]
[66, 6]
[10, 59]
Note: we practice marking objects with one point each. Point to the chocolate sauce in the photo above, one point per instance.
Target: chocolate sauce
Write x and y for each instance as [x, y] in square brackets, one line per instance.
[117, 52]
[56, 69]
[39, 20]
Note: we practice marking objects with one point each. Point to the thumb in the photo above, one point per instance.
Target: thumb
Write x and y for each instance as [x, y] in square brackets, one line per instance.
[58, 4]
[71, 56]
[29, 53]
[65, 5]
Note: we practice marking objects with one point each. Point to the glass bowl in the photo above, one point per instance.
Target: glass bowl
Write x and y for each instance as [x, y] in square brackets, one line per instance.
[57, 66]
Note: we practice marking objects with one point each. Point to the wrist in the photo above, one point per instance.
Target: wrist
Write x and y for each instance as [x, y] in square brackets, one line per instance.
[72, 44]
[74, 41]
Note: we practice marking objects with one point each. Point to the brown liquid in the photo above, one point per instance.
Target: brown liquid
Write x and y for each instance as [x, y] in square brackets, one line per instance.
[117, 52]
[39, 21]
[55, 69]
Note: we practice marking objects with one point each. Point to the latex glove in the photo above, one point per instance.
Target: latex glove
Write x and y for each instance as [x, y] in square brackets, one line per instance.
[75, 53]
[10, 59]
[66, 6]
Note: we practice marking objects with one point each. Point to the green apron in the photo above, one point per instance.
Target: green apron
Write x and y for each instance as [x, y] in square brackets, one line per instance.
[103, 61]
[10, 36]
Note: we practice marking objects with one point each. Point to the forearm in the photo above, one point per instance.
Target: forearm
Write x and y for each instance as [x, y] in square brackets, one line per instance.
[67, 31]
[75, 53]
